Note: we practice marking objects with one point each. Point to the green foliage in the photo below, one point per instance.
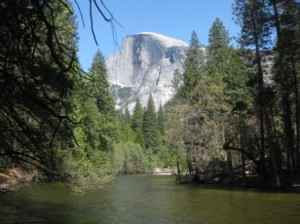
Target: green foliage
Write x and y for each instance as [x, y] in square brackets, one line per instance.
[100, 85]
[63, 122]
[218, 44]
[137, 116]
[93, 106]
[137, 123]
[177, 80]
[38, 70]
[215, 95]
[254, 18]
[193, 66]
[174, 136]
[150, 129]
[129, 157]
[161, 120]
[124, 128]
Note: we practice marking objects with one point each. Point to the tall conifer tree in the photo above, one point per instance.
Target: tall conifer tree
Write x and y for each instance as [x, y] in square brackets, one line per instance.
[150, 129]
[193, 65]
[137, 123]
[254, 17]
[161, 120]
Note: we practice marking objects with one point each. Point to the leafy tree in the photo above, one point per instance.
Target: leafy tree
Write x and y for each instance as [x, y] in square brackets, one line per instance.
[130, 158]
[174, 137]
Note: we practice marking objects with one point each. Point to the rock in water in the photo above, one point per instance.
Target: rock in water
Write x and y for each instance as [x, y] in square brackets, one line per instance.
[145, 64]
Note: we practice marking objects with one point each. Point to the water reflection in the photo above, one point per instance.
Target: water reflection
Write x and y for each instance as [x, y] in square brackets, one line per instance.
[147, 199]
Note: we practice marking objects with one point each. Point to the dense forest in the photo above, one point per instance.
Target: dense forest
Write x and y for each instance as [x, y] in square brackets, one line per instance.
[235, 107]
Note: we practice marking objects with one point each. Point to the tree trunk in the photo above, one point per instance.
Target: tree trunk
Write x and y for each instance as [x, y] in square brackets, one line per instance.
[242, 154]
[229, 155]
[261, 96]
[297, 116]
[273, 149]
[178, 166]
[286, 104]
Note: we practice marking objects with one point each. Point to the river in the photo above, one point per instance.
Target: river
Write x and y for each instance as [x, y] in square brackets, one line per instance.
[141, 199]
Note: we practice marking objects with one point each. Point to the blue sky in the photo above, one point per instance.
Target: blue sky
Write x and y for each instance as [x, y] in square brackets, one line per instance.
[174, 18]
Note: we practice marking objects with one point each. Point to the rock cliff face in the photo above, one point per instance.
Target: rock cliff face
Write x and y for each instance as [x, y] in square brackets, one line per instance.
[145, 64]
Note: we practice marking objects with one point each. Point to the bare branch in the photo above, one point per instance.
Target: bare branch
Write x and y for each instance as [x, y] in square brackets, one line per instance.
[92, 22]
[81, 16]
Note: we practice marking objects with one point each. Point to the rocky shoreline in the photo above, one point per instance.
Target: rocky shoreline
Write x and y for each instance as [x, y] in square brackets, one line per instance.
[163, 171]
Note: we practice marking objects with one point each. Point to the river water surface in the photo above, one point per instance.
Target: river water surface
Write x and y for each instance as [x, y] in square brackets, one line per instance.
[148, 199]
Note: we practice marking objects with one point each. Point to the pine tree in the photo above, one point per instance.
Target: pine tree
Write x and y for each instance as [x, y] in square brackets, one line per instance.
[230, 68]
[177, 81]
[218, 44]
[254, 17]
[98, 72]
[218, 58]
[125, 130]
[127, 116]
[161, 120]
[150, 129]
[137, 116]
[193, 65]
[99, 116]
[137, 123]
[38, 73]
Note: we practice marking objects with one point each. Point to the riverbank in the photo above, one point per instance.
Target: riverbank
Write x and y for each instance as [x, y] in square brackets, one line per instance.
[13, 178]
[248, 182]
[166, 171]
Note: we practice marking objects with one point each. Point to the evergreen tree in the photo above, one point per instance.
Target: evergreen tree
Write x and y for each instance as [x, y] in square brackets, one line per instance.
[104, 101]
[125, 131]
[137, 116]
[98, 130]
[285, 17]
[38, 71]
[254, 17]
[98, 72]
[218, 61]
[150, 129]
[177, 81]
[127, 116]
[161, 120]
[193, 66]
[229, 67]
[218, 44]
[137, 123]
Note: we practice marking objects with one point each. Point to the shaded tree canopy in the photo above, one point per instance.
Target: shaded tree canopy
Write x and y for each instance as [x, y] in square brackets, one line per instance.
[38, 72]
